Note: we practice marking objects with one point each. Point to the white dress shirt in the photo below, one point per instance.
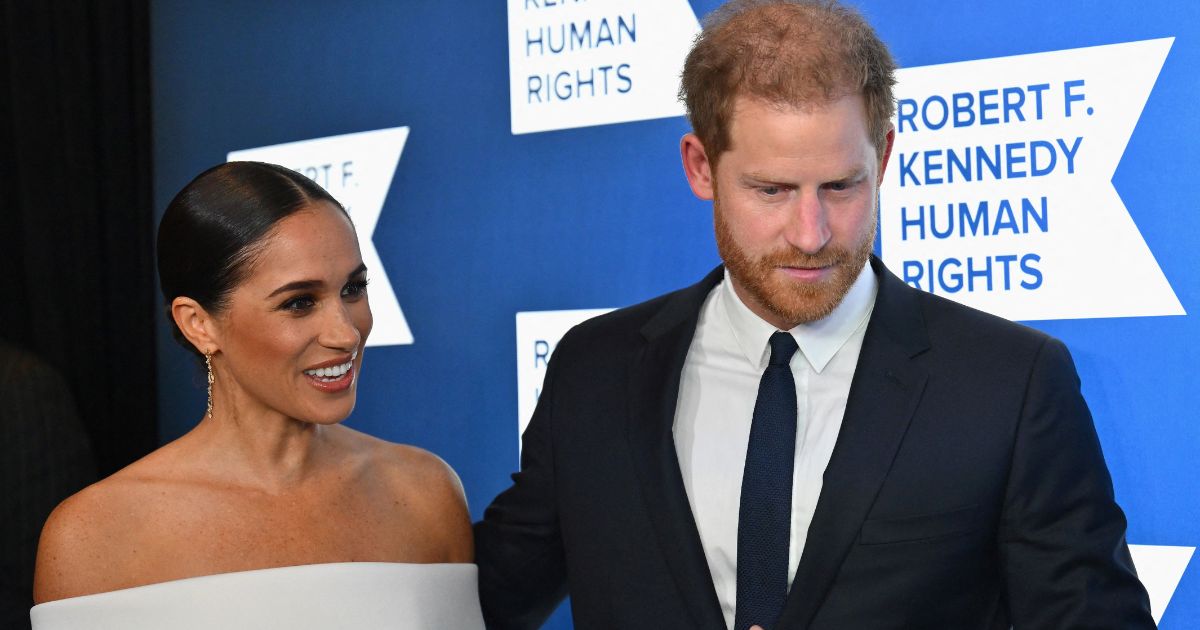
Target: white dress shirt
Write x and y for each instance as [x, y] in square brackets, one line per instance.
[717, 391]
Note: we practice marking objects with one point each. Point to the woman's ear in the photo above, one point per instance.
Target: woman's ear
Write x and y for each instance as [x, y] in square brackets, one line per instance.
[196, 324]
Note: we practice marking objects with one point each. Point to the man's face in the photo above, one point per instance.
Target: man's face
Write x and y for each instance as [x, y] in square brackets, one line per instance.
[794, 202]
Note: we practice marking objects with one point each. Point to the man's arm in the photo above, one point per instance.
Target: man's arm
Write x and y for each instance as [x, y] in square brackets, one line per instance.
[518, 546]
[1062, 535]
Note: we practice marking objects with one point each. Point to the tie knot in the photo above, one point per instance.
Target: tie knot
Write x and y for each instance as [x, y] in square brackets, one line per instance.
[783, 346]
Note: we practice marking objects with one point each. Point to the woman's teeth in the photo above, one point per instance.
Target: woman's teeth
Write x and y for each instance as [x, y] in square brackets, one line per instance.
[331, 373]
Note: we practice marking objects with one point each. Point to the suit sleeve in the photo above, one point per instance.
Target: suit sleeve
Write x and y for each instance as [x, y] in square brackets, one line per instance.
[518, 544]
[1062, 535]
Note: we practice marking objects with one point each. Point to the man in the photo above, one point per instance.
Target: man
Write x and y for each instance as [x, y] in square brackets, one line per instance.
[801, 440]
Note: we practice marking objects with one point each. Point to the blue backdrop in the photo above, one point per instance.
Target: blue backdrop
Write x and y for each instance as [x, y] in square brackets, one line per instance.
[480, 224]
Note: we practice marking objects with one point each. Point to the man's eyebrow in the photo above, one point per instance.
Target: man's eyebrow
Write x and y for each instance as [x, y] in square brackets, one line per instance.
[309, 285]
[759, 178]
[852, 174]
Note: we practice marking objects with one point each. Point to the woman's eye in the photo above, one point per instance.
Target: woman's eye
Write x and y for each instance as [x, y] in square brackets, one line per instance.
[355, 289]
[299, 304]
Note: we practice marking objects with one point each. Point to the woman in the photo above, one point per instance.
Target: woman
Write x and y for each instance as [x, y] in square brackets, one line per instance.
[253, 518]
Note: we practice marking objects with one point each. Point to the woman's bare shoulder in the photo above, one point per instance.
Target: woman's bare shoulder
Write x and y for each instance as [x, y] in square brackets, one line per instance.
[96, 529]
[407, 465]
[430, 489]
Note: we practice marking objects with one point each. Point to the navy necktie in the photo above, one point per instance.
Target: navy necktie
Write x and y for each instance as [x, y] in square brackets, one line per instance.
[765, 516]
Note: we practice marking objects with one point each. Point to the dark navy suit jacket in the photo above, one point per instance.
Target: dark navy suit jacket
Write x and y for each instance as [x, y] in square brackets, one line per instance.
[967, 489]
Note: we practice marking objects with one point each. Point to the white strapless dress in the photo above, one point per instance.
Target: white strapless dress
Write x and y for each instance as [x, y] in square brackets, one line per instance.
[359, 595]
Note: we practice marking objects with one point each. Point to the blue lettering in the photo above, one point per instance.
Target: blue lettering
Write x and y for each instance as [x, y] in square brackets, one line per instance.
[962, 166]
[1028, 211]
[581, 38]
[925, 113]
[905, 222]
[1011, 159]
[1037, 96]
[964, 109]
[932, 167]
[562, 38]
[977, 222]
[604, 34]
[906, 112]
[1069, 153]
[1034, 169]
[906, 169]
[1007, 259]
[1069, 96]
[1005, 219]
[913, 271]
[627, 29]
[624, 78]
[1033, 272]
[1012, 106]
[986, 105]
[559, 86]
[973, 273]
[933, 223]
[955, 276]
[993, 165]
[580, 82]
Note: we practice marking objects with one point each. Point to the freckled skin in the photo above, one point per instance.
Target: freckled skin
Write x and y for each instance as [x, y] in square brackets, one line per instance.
[271, 480]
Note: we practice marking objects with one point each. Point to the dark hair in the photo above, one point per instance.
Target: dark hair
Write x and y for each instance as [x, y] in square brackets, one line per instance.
[789, 52]
[212, 230]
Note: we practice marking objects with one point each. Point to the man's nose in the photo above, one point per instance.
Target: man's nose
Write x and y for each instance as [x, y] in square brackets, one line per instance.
[808, 223]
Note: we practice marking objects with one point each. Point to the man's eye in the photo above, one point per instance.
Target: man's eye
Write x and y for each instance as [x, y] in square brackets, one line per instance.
[770, 191]
[838, 186]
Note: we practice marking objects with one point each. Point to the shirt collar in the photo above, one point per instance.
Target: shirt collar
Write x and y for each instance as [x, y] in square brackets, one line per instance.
[819, 341]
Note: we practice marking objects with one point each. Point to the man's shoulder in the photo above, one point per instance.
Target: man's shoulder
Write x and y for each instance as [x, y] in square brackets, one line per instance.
[957, 329]
[627, 327]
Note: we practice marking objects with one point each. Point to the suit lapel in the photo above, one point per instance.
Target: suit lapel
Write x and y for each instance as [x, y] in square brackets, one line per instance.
[654, 389]
[883, 396]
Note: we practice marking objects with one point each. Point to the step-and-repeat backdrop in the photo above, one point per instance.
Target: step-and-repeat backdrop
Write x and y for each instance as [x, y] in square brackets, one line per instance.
[513, 169]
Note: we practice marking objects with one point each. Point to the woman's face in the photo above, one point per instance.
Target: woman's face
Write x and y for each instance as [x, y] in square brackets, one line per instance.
[292, 336]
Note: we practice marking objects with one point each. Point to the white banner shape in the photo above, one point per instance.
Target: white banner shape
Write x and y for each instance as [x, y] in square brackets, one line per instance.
[1160, 569]
[999, 191]
[357, 169]
[538, 333]
[579, 64]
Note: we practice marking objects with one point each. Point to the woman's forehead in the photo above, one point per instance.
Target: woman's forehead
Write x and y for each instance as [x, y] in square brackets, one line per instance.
[318, 241]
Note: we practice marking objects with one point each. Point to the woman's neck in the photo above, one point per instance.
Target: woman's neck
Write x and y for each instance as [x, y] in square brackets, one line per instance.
[254, 445]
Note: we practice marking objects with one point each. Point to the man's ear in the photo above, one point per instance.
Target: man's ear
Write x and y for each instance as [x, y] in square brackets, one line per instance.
[196, 324]
[887, 153]
[697, 166]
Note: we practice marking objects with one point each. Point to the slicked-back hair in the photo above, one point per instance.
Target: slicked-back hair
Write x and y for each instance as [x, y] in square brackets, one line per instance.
[793, 53]
[213, 228]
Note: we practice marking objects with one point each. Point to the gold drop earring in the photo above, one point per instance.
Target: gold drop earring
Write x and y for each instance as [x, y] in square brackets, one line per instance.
[211, 380]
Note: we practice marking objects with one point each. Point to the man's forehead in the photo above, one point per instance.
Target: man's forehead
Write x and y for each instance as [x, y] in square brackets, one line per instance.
[743, 101]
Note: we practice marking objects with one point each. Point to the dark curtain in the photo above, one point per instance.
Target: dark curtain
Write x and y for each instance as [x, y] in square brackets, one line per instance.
[76, 260]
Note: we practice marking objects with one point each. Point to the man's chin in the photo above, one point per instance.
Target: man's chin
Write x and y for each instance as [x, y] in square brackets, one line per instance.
[804, 298]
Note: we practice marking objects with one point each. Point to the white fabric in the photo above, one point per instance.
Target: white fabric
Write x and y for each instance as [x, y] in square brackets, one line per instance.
[359, 595]
[717, 390]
